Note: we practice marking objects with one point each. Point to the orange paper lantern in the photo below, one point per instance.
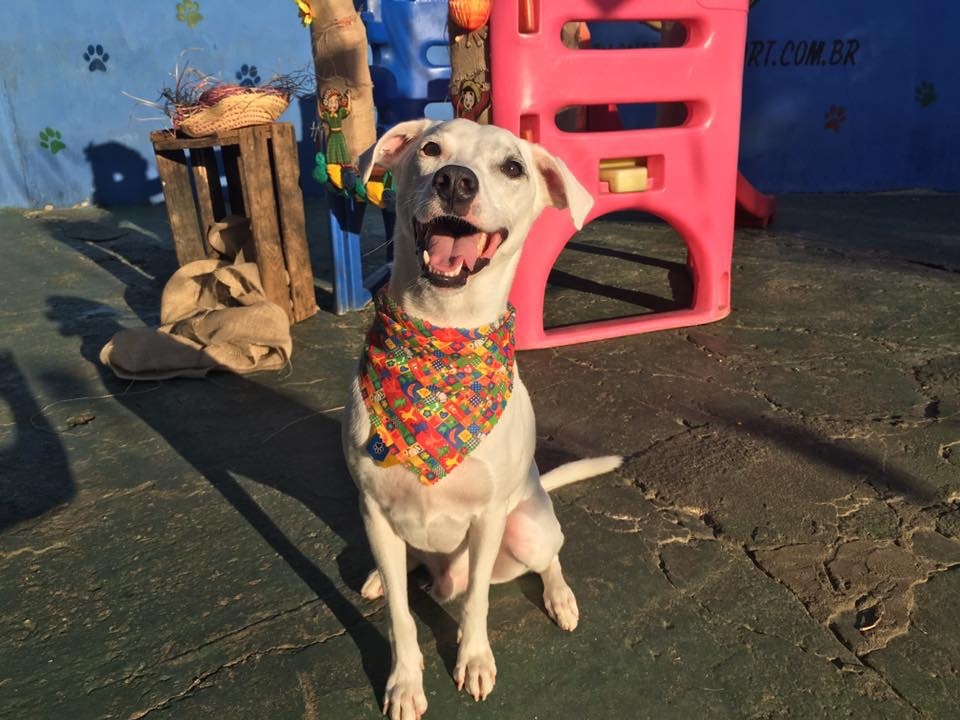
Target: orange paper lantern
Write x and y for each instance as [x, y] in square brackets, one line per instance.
[471, 15]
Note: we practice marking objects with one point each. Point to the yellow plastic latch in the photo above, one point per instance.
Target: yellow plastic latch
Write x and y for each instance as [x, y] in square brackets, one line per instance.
[624, 175]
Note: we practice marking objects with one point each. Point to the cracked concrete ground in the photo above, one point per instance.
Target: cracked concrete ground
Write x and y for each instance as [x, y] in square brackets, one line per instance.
[783, 539]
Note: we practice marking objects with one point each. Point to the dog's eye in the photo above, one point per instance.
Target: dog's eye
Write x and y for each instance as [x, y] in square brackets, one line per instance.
[512, 169]
[430, 149]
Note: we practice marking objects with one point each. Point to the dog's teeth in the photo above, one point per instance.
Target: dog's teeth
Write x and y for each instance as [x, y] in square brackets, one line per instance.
[481, 243]
[450, 273]
[426, 258]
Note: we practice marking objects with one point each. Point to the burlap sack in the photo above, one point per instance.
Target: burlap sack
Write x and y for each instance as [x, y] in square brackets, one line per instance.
[214, 316]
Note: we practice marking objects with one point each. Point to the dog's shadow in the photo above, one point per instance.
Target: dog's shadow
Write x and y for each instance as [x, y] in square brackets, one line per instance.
[436, 617]
[230, 426]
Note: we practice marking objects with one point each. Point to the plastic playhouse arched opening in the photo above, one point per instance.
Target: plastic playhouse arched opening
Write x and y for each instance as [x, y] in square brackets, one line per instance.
[604, 272]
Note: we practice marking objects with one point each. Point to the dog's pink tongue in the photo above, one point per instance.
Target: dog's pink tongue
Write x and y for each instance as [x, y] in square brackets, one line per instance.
[446, 252]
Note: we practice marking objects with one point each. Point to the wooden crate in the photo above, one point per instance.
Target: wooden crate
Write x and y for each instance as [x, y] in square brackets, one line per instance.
[262, 171]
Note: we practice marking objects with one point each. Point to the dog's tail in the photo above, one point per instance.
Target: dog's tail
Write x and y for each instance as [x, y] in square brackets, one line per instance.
[577, 470]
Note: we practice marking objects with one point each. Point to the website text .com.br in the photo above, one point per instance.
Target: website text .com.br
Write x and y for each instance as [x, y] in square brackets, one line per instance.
[802, 53]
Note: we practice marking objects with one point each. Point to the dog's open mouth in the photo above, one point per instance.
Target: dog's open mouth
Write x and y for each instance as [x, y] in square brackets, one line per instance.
[452, 249]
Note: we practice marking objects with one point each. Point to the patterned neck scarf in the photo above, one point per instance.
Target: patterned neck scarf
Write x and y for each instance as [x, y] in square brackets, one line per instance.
[433, 393]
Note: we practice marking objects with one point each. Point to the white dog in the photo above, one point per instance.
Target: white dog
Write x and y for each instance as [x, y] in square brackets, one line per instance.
[439, 430]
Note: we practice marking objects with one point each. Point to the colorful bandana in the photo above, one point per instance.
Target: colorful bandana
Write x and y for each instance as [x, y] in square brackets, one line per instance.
[433, 393]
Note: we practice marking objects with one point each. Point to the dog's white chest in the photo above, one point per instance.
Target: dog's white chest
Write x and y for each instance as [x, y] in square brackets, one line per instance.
[435, 518]
[432, 518]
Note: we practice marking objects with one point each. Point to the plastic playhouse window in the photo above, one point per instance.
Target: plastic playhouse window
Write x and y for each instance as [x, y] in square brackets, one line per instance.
[438, 55]
[627, 34]
[612, 117]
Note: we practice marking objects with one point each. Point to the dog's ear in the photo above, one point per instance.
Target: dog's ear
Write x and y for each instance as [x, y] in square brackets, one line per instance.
[564, 189]
[389, 148]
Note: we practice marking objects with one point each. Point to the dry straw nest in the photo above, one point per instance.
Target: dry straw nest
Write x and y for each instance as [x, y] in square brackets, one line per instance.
[228, 107]
[199, 105]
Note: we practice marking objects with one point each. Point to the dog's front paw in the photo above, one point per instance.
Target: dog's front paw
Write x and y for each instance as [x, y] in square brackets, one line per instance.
[404, 698]
[373, 587]
[476, 671]
[562, 606]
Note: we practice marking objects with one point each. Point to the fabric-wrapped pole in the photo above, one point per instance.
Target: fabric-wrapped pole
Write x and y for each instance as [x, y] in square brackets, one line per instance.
[344, 90]
[470, 59]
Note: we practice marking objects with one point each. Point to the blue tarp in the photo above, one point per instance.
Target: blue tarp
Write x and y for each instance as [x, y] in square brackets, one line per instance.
[837, 95]
[67, 131]
[851, 96]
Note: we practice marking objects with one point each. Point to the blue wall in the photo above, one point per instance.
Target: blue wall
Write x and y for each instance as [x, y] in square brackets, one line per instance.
[837, 95]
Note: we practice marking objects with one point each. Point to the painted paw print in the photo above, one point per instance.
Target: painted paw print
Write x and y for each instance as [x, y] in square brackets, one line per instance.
[834, 118]
[925, 94]
[188, 11]
[96, 58]
[247, 75]
[51, 140]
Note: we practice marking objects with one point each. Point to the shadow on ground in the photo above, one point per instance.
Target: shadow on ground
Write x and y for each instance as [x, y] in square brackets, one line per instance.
[34, 473]
[211, 424]
[217, 445]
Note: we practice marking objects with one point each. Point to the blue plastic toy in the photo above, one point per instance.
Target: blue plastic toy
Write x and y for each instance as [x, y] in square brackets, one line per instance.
[401, 34]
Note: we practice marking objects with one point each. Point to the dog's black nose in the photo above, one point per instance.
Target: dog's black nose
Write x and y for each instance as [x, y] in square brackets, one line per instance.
[456, 186]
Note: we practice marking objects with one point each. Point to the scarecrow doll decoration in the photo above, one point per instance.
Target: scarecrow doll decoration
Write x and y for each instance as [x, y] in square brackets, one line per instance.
[472, 100]
[334, 109]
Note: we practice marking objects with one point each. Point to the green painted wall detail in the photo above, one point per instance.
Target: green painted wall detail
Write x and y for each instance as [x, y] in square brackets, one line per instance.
[51, 140]
[188, 11]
